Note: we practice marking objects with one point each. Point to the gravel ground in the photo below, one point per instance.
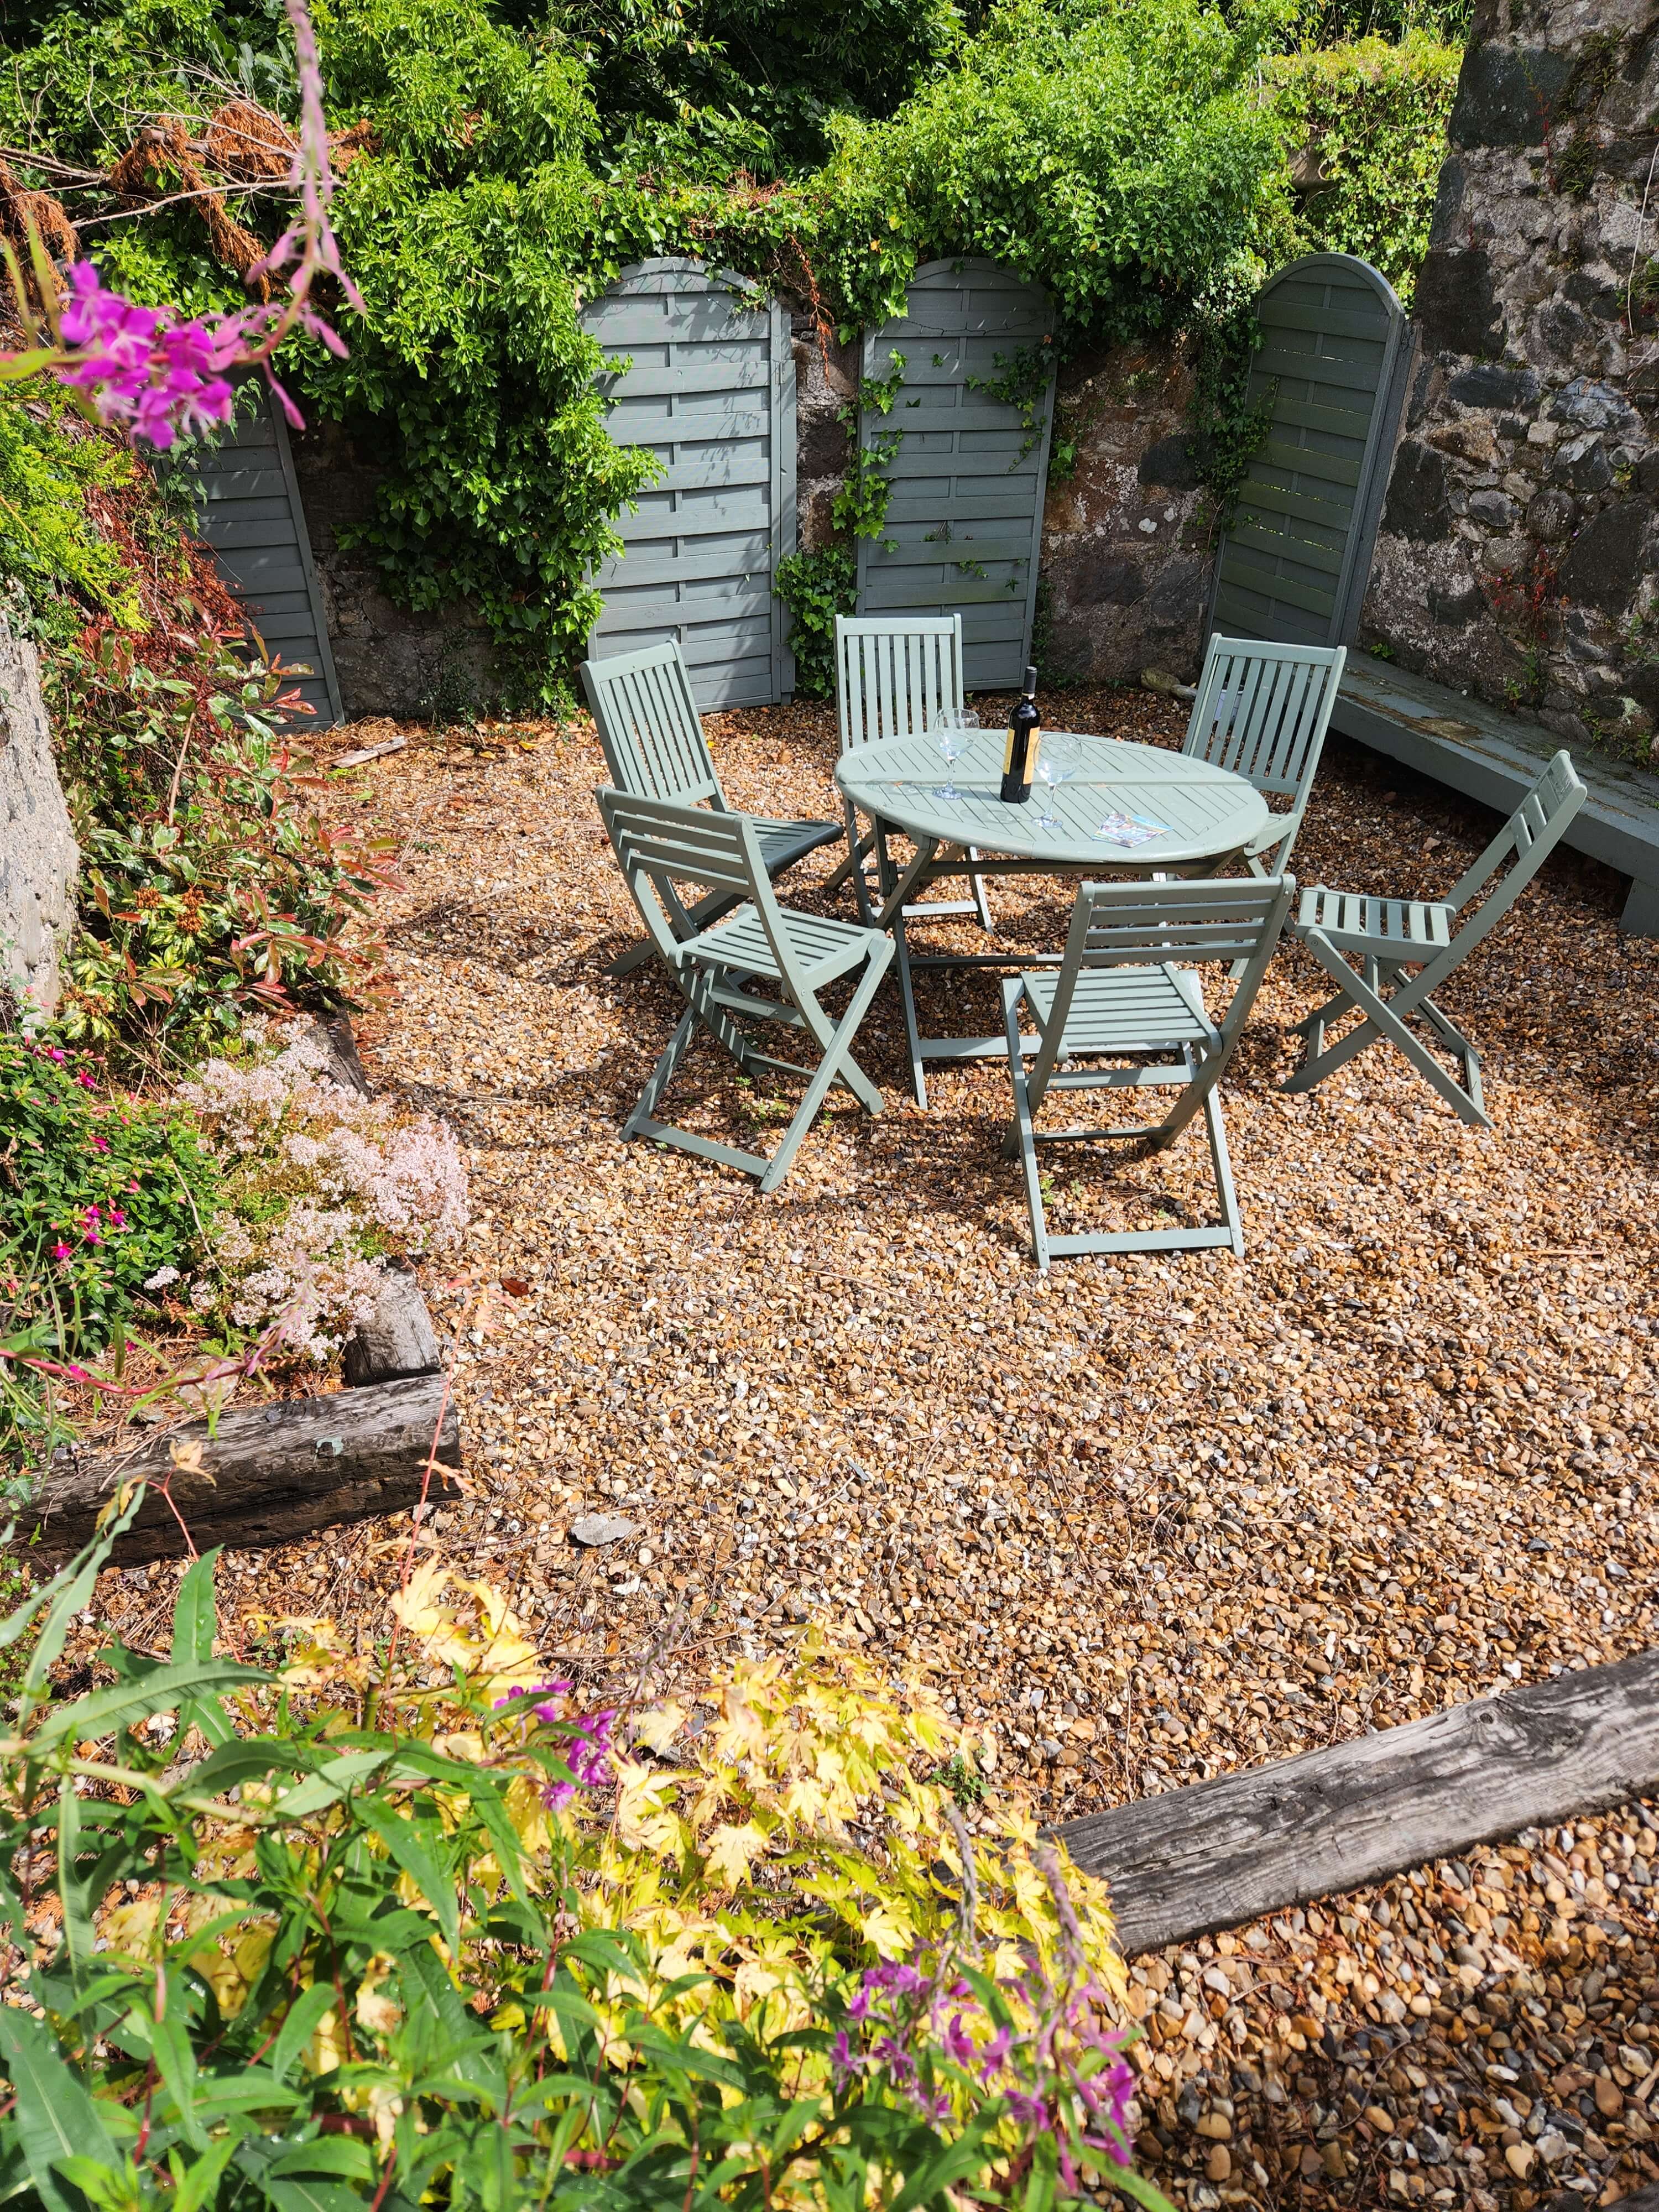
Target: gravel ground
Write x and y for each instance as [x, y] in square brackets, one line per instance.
[1154, 1520]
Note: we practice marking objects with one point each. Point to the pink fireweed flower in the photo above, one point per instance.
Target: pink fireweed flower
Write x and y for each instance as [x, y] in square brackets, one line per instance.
[156, 375]
[545, 1690]
[589, 1756]
[958, 2045]
[589, 1752]
[140, 369]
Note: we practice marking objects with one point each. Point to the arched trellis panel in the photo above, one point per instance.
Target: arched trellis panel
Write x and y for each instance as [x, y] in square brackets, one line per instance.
[242, 482]
[710, 389]
[1293, 563]
[964, 449]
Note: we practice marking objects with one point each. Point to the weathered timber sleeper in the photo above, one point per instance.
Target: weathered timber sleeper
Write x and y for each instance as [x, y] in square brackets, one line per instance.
[1229, 1851]
[269, 1474]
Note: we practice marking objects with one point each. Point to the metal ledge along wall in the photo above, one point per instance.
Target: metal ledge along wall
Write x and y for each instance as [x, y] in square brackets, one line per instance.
[708, 384]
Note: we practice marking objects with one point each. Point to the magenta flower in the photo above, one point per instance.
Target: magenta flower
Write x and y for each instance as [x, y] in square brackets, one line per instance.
[117, 1219]
[100, 1144]
[53, 1053]
[62, 1251]
[86, 1081]
[958, 2044]
[142, 370]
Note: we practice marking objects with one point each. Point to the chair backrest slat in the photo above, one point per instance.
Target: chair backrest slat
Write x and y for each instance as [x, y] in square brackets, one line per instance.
[1262, 710]
[1526, 842]
[1171, 925]
[649, 726]
[1139, 925]
[894, 672]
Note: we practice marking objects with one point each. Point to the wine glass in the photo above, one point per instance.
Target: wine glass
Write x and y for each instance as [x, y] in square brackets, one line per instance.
[1058, 761]
[951, 728]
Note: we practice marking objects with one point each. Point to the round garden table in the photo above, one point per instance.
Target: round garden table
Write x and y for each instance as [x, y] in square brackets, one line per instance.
[1130, 809]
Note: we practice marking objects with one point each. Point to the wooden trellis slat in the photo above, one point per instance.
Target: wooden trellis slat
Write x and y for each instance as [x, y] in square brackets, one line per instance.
[965, 514]
[710, 389]
[248, 511]
[1294, 561]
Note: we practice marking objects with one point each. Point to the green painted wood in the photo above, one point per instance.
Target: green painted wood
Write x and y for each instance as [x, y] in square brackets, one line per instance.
[1263, 712]
[893, 675]
[1430, 938]
[645, 708]
[709, 388]
[1294, 560]
[248, 511]
[1495, 757]
[1126, 988]
[665, 851]
[965, 516]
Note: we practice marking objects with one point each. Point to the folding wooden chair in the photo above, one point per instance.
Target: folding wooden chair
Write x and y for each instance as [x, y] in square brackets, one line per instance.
[1126, 988]
[654, 746]
[893, 674]
[1262, 711]
[1432, 937]
[662, 846]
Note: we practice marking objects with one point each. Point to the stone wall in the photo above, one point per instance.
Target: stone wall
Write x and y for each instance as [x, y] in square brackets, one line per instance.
[1516, 556]
[389, 661]
[1125, 552]
[826, 387]
[38, 858]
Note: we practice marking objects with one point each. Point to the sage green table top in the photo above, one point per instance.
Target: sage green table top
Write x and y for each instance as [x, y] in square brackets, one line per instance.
[1204, 813]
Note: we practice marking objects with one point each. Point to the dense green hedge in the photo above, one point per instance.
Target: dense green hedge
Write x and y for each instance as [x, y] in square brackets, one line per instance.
[1371, 117]
[515, 155]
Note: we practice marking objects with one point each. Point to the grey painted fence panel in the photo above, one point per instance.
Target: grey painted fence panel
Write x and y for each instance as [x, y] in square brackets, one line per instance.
[1294, 560]
[249, 512]
[965, 514]
[710, 389]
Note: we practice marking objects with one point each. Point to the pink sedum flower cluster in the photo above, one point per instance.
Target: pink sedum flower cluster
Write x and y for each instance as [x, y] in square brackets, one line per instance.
[357, 1173]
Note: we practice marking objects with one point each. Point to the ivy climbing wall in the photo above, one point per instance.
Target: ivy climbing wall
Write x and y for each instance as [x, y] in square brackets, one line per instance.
[1518, 549]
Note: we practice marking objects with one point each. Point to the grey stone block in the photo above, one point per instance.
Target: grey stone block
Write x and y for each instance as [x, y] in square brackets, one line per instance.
[398, 1339]
[39, 857]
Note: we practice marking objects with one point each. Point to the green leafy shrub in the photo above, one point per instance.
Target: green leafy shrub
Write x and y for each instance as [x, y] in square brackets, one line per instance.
[816, 588]
[1372, 118]
[100, 1207]
[98, 1196]
[60, 565]
[209, 882]
[466, 1944]
[1119, 157]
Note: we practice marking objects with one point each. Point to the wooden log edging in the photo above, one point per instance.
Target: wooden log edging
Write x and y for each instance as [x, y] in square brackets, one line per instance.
[268, 1475]
[1228, 1850]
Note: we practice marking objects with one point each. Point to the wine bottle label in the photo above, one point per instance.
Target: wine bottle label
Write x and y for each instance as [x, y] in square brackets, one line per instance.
[1031, 756]
[1008, 751]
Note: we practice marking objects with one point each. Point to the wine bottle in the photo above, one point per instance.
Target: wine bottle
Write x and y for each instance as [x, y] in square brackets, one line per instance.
[1024, 733]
